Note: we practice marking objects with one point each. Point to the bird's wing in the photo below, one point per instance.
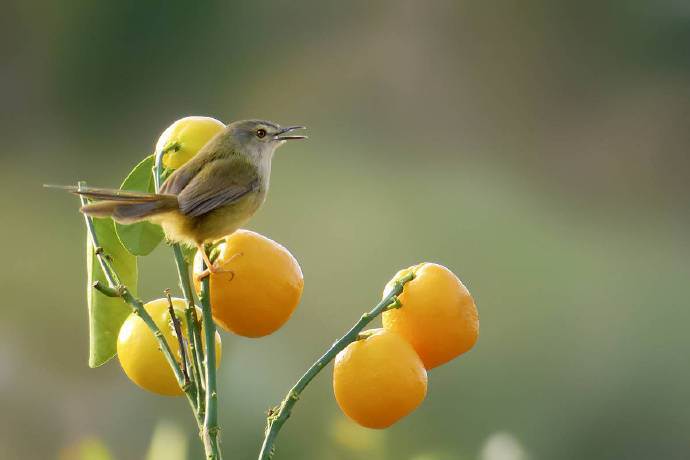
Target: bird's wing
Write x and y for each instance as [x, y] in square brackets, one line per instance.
[218, 183]
[179, 179]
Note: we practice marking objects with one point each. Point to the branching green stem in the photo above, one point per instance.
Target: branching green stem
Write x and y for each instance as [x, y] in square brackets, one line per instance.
[193, 324]
[205, 376]
[115, 286]
[279, 415]
[195, 349]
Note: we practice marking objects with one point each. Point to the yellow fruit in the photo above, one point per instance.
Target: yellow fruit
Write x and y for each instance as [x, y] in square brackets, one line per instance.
[138, 352]
[190, 134]
[438, 315]
[379, 379]
[258, 287]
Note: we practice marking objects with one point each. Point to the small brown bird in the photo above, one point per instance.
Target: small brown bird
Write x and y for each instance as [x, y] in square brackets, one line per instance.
[210, 196]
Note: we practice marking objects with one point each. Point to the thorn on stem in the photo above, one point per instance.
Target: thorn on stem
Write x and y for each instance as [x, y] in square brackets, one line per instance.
[364, 334]
[107, 290]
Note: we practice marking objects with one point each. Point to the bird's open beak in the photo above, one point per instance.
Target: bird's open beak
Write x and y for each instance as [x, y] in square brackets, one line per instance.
[281, 137]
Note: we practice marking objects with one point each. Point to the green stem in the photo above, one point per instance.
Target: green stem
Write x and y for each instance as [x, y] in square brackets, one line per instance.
[206, 405]
[106, 290]
[195, 348]
[116, 286]
[180, 341]
[279, 415]
[193, 325]
[192, 357]
[210, 429]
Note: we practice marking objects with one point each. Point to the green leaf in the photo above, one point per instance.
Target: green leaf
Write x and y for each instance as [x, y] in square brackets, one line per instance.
[143, 237]
[140, 238]
[106, 314]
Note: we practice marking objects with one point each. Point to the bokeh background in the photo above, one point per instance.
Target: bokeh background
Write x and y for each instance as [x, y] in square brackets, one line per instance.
[540, 149]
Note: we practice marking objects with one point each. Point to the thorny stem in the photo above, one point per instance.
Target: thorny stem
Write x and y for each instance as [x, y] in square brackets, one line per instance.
[193, 350]
[193, 324]
[115, 286]
[207, 407]
[279, 415]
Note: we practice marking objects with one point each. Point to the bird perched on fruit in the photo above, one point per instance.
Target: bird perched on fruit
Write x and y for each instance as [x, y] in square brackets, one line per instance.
[210, 196]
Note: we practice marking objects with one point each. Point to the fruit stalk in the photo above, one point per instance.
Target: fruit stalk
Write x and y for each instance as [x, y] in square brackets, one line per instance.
[279, 415]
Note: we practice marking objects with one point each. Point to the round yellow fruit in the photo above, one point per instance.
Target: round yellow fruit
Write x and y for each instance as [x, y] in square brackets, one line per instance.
[184, 138]
[438, 315]
[379, 379]
[257, 286]
[139, 354]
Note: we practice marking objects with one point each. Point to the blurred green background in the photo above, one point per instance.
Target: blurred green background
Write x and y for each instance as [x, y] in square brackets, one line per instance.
[540, 149]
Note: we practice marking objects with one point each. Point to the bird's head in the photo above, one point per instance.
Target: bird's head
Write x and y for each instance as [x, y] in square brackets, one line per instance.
[260, 138]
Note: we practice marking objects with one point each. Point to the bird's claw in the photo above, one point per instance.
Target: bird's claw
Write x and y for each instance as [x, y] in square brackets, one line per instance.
[212, 269]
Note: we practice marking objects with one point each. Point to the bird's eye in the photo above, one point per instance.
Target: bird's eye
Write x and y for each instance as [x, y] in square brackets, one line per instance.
[260, 133]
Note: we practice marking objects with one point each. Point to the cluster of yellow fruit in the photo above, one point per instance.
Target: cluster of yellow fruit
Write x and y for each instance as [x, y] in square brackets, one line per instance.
[382, 377]
[377, 379]
[256, 289]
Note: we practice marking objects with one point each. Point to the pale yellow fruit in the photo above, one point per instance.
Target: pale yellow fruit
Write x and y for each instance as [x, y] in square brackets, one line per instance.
[140, 355]
[184, 138]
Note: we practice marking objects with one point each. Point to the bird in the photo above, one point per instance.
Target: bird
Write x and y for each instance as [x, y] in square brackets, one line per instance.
[211, 196]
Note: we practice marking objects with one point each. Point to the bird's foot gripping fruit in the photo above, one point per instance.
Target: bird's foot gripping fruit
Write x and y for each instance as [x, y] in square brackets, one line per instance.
[256, 286]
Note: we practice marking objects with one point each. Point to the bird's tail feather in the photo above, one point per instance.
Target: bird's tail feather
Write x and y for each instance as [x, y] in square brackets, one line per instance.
[123, 206]
[128, 212]
[114, 194]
